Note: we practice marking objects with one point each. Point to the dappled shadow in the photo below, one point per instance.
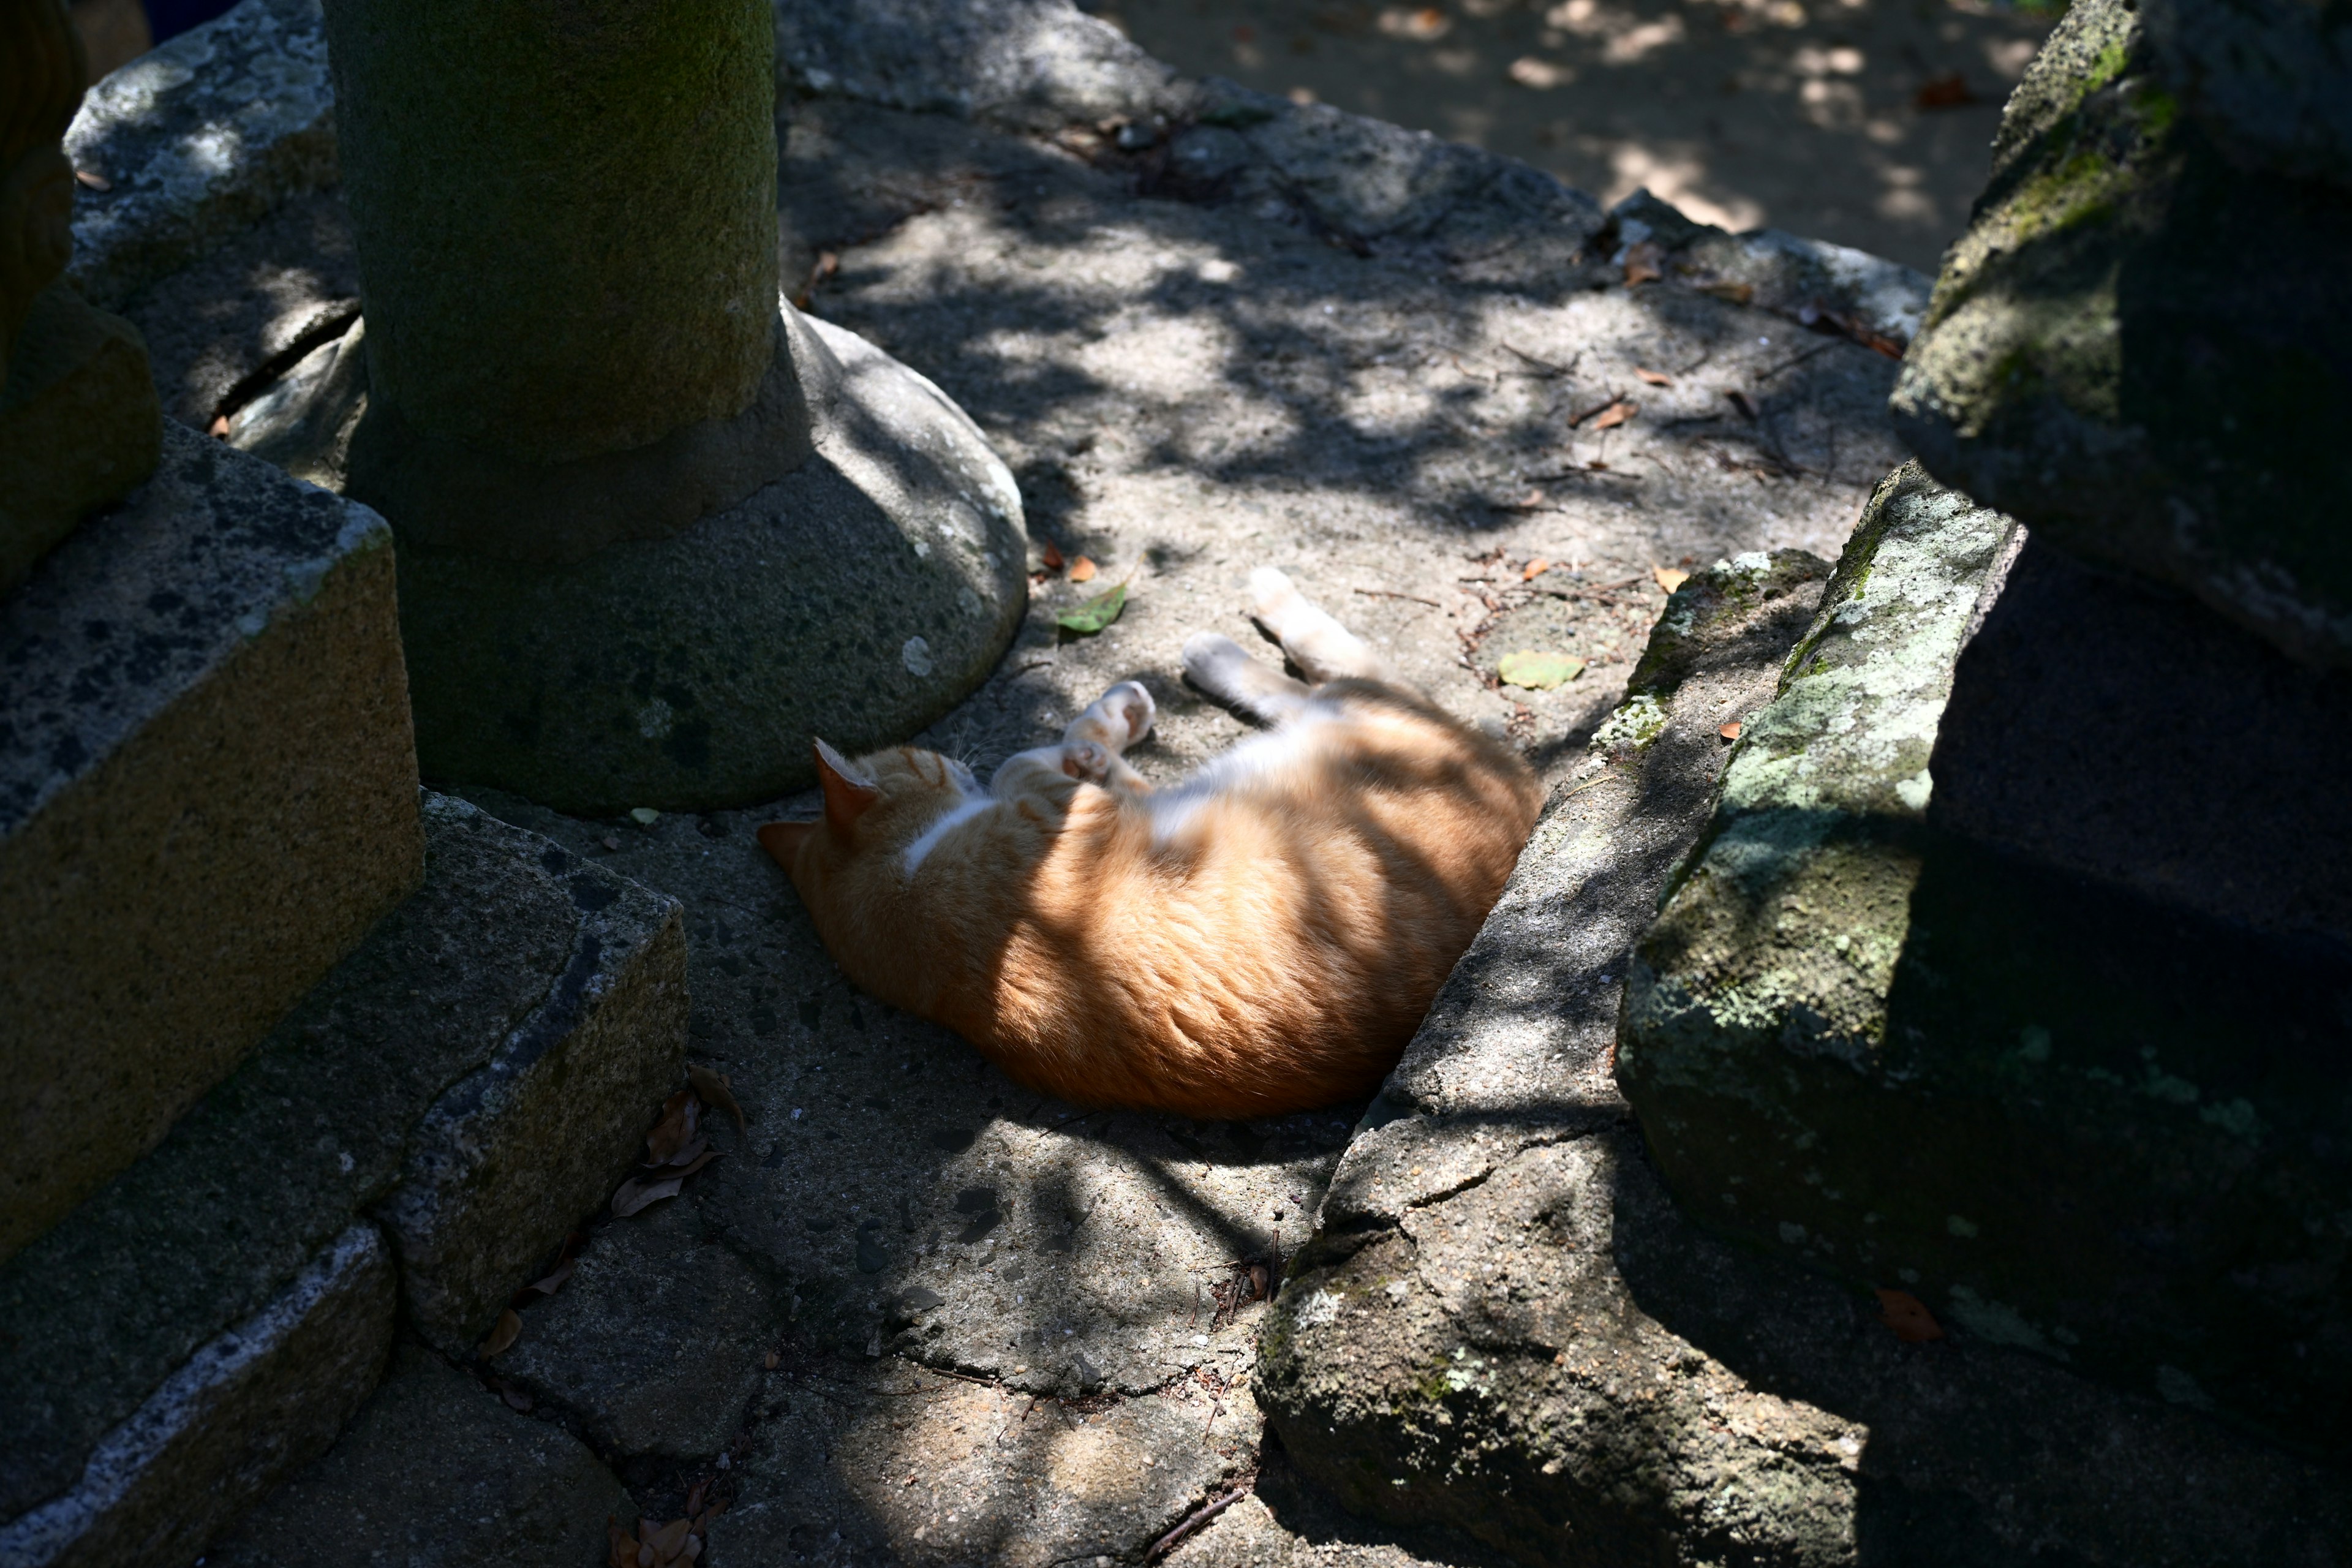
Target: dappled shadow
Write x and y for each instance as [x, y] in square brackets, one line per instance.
[1806, 116]
[1241, 351]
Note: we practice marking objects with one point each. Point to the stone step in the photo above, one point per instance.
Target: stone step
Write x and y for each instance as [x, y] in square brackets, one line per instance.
[2063, 1045]
[450, 1102]
[207, 796]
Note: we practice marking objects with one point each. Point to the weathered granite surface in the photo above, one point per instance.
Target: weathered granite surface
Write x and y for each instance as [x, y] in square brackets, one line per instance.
[203, 711]
[2095, 1116]
[656, 1341]
[509, 1157]
[2102, 361]
[1506, 1325]
[257, 1401]
[435, 1469]
[479, 1075]
[197, 139]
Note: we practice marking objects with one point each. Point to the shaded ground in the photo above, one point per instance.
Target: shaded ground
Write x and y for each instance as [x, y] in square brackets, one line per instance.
[1804, 116]
[1011, 1303]
[913, 1313]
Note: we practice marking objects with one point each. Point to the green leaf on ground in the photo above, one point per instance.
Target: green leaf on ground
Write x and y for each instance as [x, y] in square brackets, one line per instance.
[1538, 671]
[1097, 613]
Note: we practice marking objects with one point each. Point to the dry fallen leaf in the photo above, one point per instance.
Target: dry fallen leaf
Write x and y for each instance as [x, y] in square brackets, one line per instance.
[1616, 414]
[1643, 263]
[770, 1360]
[1945, 90]
[681, 1113]
[1670, 577]
[93, 179]
[1536, 567]
[1654, 377]
[1053, 556]
[502, 1334]
[1730, 731]
[637, 1193]
[1082, 570]
[554, 1281]
[1736, 293]
[1537, 670]
[717, 1090]
[1908, 1316]
[218, 429]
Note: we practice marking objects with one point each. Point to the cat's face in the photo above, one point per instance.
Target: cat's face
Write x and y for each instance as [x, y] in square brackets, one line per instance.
[874, 808]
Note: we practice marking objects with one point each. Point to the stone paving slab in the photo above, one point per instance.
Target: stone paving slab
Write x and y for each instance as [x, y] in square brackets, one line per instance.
[503, 1491]
[479, 1074]
[203, 711]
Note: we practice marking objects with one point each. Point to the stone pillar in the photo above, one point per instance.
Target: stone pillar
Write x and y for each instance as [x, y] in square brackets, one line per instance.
[79, 423]
[591, 419]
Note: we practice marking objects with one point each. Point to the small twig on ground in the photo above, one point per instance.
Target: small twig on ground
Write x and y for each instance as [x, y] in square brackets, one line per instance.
[1392, 594]
[1186, 1526]
[1794, 361]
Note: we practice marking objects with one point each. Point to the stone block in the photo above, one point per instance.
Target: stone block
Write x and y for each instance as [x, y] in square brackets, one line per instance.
[207, 796]
[1506, 1325]
[499, 1043]
[435, 1469]
[1954, 1009]
[510, 1157]
[198, 138]
[253, 1404]
[2102, 359]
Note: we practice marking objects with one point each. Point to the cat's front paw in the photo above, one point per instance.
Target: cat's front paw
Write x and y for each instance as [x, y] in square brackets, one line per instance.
[1088, 761]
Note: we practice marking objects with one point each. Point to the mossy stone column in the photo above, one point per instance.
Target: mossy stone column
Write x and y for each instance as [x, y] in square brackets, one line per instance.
[566, 217]
[629, 576]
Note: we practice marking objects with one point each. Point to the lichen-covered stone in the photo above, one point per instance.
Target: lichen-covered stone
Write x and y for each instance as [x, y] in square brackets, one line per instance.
[420, 1081]
[208, 796]
[256, 1402]
[198, 138]
[2113, 357]
[435, 1469]
[1506, 1325]
[2085, 1115]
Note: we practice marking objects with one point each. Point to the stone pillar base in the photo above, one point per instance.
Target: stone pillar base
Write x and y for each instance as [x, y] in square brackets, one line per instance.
[859, 598]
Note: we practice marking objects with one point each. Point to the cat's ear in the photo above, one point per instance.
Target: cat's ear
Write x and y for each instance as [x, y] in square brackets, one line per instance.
[847, 795]
[782, 840]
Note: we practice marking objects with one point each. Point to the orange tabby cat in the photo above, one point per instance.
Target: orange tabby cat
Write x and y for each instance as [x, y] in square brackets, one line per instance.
[1263, 937]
